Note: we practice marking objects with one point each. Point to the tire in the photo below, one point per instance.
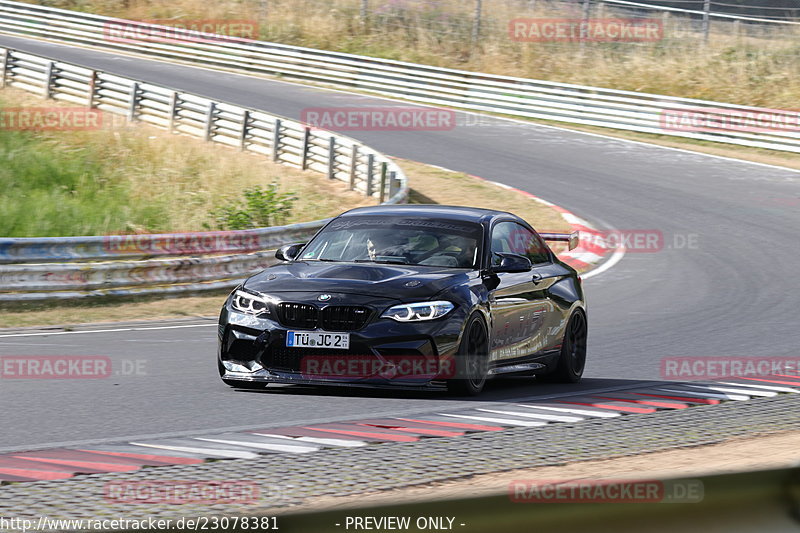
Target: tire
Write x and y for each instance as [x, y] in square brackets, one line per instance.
[238, 384]
[472, 359]
[572, 359]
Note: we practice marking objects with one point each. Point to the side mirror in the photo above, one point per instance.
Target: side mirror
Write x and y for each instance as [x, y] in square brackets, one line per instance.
[288, 252]
[512, 263]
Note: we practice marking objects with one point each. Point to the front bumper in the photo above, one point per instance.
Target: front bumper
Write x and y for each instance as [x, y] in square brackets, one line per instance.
[384, 353]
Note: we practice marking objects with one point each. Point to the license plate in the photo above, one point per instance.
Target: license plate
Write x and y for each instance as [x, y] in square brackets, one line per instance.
[314, 339]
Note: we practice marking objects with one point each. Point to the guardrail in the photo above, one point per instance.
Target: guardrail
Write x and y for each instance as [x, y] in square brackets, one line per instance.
[521, 97]
[92, 266]
[709, 13]
[767, 500]
[718, 14]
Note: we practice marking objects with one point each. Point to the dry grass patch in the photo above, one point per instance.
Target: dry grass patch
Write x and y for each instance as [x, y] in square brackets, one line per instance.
[68, 314]
[431, 185]
[135, 178]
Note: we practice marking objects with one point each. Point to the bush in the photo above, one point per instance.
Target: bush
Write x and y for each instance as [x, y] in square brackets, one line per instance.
[258, 209]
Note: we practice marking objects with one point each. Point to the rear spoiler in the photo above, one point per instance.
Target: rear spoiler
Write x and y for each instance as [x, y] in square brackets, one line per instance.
[572, 238]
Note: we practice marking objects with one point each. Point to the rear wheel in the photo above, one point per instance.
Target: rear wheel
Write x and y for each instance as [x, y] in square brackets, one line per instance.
[472, 359]
[572, 359]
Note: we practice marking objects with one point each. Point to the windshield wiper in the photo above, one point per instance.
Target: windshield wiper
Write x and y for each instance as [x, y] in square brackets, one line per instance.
[382, 261]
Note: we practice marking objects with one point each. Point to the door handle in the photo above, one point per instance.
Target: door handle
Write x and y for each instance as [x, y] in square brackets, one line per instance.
[536, 277]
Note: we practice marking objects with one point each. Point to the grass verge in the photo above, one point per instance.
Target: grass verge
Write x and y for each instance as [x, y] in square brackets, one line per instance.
[134, 178]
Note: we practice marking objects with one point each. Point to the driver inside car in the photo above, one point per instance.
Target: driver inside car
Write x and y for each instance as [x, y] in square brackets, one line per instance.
[379, 244]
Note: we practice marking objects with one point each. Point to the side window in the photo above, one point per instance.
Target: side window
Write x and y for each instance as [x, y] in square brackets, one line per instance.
[517, 239]
[501, 240]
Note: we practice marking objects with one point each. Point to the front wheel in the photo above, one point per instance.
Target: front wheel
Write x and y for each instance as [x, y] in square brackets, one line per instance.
[572, 359]
[471, 360]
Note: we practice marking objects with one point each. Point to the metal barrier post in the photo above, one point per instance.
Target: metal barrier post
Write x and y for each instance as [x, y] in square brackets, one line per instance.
[134, 95]
[585, 20]
[92, 89]
[476, 23]
[245, 130]
[370, 173]
[706, 21]
[382, 195]
[332, 158]
[173, 111]
[276, 140]
[394, 184]
[353, 167]
[47, 91]
[210, 113]
[4, 67]
[306, 141]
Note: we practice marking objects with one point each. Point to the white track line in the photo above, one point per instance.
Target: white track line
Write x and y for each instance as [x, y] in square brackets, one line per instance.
[616, 257]
[765, 394]
[264, 446]
[506, 421]
[776, 388]
[317, 440]
[104, 330]
[208, 452]
[687, 393]
[599, 414]
[549, 418]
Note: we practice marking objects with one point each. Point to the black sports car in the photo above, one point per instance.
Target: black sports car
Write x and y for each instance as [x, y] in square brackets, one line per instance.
[408, 296]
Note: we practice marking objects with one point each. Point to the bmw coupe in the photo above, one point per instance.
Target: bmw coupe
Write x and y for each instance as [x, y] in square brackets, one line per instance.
[409, 296]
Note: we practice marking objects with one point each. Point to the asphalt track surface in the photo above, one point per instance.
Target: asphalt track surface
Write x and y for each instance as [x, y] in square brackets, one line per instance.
[732, 292]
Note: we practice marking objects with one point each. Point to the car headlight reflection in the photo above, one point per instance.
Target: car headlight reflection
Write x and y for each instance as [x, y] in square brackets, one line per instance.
[417, 312]
[250, 304]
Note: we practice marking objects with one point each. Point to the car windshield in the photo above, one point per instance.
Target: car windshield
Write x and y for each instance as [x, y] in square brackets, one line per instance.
[397, 240]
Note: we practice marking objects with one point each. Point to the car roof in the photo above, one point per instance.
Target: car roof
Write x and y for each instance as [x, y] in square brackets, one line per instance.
[452, 212]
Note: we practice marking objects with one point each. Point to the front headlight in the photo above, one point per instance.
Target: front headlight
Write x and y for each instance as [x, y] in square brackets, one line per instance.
[418, 311]
[249, 303]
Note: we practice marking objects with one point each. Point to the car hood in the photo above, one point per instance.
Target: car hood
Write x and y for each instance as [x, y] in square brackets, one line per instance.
[401, 282]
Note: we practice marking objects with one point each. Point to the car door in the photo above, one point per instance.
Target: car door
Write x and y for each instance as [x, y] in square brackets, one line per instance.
[547, 315]
[516, 302]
